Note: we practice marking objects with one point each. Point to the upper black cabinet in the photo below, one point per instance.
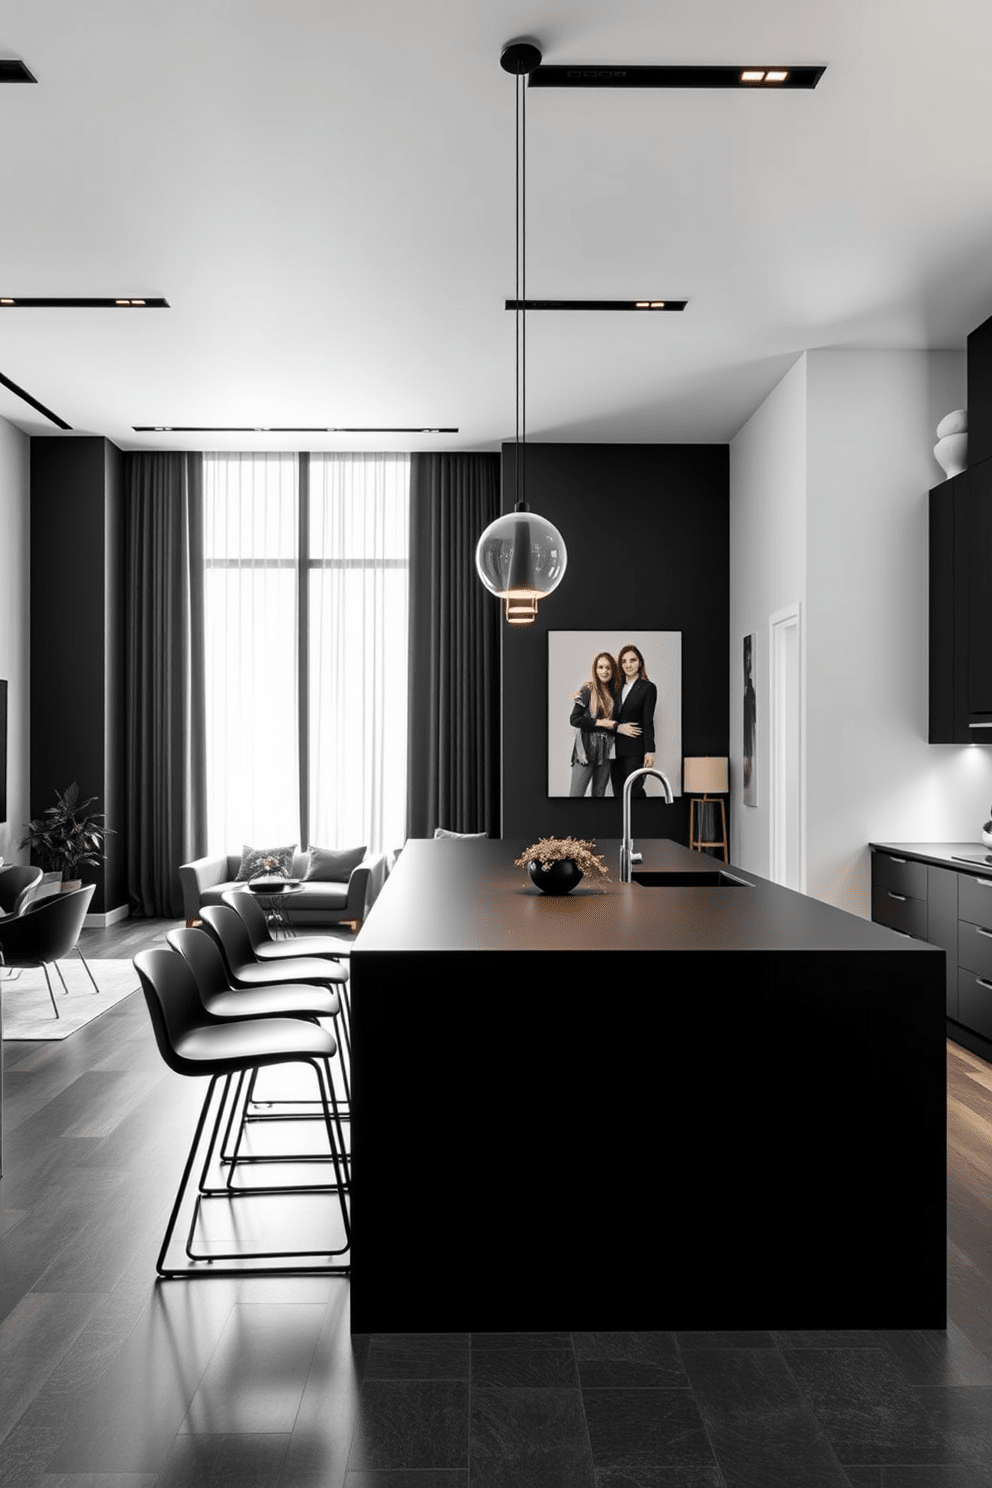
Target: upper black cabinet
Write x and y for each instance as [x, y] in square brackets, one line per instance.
[980, 393]
[961, 608]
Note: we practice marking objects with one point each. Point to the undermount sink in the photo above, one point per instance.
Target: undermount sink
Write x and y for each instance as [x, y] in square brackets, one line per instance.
[683, 879]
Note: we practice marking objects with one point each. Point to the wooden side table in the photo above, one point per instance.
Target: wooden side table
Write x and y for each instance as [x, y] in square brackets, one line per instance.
[703, 819]
[706, 778]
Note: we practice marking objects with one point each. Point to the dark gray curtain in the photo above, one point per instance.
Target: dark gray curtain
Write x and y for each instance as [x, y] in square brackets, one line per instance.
[453, 748]
[165, 807]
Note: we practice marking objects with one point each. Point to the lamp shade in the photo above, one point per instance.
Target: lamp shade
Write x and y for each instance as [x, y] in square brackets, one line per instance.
[521, 557]
[705, 775]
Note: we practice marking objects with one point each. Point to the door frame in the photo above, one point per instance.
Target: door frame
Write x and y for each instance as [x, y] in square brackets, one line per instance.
[779, 625]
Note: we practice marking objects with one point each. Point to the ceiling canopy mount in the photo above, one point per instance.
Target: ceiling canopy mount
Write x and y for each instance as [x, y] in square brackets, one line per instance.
[520, 57]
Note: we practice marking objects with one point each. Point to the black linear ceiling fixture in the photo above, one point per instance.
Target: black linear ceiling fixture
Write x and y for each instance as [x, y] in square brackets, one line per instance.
[275, 429]
[596, 304]
[18, 302]
[13, 70]
[739, 75]
[20, 393]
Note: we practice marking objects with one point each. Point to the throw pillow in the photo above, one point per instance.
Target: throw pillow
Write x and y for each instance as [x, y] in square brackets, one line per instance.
[253, 861]
[465, 836]
[333, 865]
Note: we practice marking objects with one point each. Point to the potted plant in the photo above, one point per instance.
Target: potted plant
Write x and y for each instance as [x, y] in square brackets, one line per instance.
[557, 864]
[66, 836]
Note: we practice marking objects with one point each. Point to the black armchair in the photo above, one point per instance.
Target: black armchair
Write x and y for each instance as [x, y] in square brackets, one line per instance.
[46, 931]
[18, 882]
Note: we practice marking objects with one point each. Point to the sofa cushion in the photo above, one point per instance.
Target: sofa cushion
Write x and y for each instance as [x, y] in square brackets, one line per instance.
[440, 832]
[318, 896]
[253, 860]
[333, 865]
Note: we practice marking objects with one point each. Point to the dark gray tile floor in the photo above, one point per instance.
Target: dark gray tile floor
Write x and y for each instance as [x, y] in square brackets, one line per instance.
[111, 1381]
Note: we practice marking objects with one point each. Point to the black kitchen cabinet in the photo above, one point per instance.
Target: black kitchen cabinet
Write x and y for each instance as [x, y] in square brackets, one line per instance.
[980, 393]
[921, 890]
[961, 608]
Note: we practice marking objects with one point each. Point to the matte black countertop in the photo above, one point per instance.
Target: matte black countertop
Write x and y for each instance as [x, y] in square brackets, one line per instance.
[969, 857]
[451, 895]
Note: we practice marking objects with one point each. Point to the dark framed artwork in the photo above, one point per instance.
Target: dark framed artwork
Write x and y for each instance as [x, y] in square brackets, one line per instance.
[3, 751]
[574, 765]
[749, 770]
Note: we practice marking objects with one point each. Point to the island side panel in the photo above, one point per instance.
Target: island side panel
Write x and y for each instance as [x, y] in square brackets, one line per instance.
[648, 1141]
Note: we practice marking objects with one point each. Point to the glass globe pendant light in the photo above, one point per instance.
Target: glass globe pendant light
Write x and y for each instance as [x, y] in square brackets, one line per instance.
[521, 557]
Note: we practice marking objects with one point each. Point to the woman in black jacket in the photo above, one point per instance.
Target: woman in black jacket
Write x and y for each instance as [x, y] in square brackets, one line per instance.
[637, 698]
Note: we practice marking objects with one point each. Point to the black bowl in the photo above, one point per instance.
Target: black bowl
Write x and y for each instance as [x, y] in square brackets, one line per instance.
[559, 877]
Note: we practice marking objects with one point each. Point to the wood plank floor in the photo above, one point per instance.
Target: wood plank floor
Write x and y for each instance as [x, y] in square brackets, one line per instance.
[109, 1379]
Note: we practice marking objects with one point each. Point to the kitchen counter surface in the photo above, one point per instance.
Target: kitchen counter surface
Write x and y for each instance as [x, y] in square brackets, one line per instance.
[969, 857]
[468, 896]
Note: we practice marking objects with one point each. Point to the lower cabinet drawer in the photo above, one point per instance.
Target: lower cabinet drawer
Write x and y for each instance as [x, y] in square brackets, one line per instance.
[975, 949]
[903, 875]
[975, 900]
[975, 1002]
[899, 912]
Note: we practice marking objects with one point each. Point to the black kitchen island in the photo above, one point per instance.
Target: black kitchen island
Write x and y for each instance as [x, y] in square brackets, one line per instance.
[656, 1107]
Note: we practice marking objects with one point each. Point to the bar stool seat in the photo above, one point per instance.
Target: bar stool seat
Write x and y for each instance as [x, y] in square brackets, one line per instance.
[271, 999]
[227, 929]
[290, 999]
[252, 916]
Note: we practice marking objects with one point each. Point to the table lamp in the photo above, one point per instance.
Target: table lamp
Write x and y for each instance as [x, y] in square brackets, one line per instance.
[705, 776]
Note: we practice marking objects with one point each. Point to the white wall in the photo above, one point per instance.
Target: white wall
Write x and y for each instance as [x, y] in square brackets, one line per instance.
[767, 572]
[870, 774]
[14, 629]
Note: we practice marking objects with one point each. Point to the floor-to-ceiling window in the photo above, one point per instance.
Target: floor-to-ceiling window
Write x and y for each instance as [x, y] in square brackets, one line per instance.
[305, 626]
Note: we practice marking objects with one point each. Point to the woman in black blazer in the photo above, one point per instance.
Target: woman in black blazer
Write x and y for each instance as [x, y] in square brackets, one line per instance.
[636, 703]
[592, 718]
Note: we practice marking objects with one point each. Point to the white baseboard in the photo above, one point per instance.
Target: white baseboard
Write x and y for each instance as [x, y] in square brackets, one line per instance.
[103, 921]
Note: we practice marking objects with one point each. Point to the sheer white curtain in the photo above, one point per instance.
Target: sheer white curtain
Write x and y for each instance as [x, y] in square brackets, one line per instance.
[251, 562]
[337, 609]
[359, 517]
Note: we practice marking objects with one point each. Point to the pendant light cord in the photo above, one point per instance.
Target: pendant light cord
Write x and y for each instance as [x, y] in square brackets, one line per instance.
[520, 267]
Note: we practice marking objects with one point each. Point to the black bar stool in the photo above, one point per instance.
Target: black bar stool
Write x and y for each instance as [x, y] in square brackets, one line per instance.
[192, 1042]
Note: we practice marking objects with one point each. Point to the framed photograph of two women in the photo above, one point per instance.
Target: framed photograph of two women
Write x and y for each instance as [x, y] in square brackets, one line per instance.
[614, 704]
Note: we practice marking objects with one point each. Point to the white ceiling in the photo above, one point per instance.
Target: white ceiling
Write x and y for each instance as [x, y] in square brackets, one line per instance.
[323, 190]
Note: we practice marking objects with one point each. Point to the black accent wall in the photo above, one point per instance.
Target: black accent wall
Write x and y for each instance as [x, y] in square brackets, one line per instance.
[647, 530]
[76, 642]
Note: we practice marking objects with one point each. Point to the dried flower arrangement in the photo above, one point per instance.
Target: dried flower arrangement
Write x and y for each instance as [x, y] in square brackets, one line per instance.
[555, 849]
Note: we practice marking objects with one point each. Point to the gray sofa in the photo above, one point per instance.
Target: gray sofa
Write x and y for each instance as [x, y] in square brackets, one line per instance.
[318, 903]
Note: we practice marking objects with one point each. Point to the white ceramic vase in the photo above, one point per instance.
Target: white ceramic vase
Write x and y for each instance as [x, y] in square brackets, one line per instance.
[951, 449]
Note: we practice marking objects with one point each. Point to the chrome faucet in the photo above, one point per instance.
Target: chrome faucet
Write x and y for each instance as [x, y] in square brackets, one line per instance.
[627, 854]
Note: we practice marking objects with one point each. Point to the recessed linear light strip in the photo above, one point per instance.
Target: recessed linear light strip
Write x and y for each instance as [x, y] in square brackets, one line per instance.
[595, 304]
[272, 429]
[20, 393]
[12, 302]
[739, 76]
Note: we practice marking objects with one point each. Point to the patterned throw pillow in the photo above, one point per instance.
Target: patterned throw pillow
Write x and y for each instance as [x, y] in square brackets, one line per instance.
[253, 861]
[333, 865]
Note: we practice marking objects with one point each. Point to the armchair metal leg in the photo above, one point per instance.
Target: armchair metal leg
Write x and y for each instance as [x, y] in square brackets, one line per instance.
[50, 992]
[87, 965]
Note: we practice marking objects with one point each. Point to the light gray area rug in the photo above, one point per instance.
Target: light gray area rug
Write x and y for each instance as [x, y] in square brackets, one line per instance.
[27, 1007]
